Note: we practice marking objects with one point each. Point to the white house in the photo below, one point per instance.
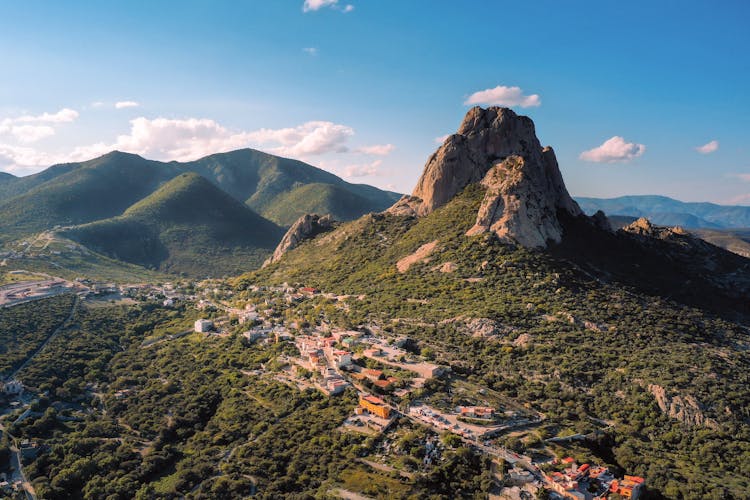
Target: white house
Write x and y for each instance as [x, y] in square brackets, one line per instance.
[204, 325]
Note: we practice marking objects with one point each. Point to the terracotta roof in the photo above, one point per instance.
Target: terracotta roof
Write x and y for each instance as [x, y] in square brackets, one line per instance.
[374, 400]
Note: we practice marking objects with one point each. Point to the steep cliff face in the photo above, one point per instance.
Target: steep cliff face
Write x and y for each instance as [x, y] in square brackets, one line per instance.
[525, 190]
[307, 226]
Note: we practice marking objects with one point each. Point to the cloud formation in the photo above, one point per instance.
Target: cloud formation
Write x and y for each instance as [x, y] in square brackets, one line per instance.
[193, 138]
[313, 5]
[311, 138]
[312, 51]
[31, 128]
[441, 139]
[376, 149]
[708, 148]
[181, 140]
[65, 115]
[30, 133]
[503, 96]
[126, 104]
[615, 149]
[23, 160]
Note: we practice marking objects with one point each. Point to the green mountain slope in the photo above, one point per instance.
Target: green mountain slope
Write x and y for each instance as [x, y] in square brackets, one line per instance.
[260, 179]
[85, 192]
[669, 212]
[187, 226]
[318, 198]
[578, 337]
[78, 193]
[11, 185]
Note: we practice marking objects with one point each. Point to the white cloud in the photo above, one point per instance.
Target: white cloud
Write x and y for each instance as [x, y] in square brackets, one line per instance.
[65, 115]
[363, 170]
[31, 128]
[313, 51]
[441, 139]
[97, 104]
[24, 160]
[613, 150]
[376, 149]
[311, 138]
[192, 138]
[181, 140]
[31, 133]
[313, 5]
[503, 96]
[708, 148]
[742, 177]
[126, 104]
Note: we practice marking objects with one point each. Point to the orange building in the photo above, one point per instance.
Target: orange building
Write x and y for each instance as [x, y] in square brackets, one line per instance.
[374, 405]
[628, 487]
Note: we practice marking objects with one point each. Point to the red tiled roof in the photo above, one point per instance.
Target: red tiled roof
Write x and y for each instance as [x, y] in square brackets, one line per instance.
[374, 400]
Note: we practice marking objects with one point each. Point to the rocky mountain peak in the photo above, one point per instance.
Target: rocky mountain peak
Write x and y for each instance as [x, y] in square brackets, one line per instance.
[499, 149]
[306, 227]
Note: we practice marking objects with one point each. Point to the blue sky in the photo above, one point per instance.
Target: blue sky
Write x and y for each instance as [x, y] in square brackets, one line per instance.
[624, 91]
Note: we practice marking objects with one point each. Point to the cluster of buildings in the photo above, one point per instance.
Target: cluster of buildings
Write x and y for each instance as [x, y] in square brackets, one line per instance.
[584, 481]
[322, 356]
[377, 378]
[479, 412]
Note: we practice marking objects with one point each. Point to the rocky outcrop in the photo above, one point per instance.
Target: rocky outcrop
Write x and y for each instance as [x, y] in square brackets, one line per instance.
[525, 190]
[308, 226]
[686, 408]
[406, 206]
[421, 254]
[522, 201]
[644, 227]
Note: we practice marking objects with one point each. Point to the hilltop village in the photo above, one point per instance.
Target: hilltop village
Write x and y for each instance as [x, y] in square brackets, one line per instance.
[396, 383]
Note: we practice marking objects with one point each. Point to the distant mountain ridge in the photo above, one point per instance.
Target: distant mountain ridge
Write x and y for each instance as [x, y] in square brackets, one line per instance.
[666, 211]
[101, 201]
[76, 193]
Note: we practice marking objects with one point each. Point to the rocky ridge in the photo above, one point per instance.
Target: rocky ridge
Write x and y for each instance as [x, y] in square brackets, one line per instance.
[306, 227]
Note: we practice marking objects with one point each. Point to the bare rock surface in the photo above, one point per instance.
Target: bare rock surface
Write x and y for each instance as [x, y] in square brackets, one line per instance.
[307, 226]
[420, 255]
[685, 408]
[525, 190]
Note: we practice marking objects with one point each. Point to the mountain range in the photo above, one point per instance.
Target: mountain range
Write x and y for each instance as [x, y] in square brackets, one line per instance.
[233, 206]
[250, 197]
[665, 211]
